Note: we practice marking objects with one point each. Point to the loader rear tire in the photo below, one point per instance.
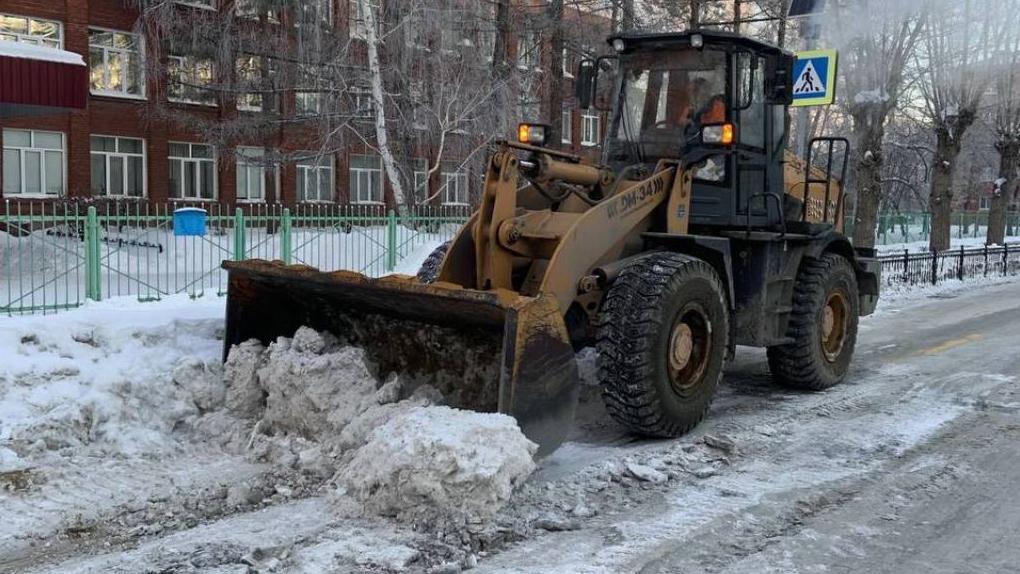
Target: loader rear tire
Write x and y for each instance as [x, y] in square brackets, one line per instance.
[823, 326]
[429, 269]
[662, 342]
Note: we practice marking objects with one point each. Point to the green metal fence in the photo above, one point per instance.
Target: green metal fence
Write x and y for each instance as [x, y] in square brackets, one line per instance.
[55, 256]
[907, 227]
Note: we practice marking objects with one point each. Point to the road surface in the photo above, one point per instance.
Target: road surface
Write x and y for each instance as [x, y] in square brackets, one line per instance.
[912, 465]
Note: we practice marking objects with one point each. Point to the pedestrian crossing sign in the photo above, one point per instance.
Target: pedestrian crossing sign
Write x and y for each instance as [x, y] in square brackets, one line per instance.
[814, 78]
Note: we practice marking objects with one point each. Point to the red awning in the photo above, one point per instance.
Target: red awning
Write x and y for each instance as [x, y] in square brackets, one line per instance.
[36, 79]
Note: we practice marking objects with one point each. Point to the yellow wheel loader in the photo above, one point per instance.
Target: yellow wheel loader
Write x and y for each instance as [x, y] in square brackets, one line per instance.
[696, 232]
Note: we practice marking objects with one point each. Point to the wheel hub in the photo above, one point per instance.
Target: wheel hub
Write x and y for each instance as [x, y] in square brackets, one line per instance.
[833, 330]
[681, 346]
[689, 349]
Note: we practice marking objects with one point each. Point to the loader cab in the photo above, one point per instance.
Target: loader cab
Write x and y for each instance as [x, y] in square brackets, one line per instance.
[712, 95]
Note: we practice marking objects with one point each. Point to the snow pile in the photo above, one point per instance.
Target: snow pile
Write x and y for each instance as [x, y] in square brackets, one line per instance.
[463, 465]
[318, 408]
[313, 388]
[107, 380]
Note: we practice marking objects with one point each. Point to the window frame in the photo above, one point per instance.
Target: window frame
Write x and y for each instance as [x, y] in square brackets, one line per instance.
[241, 96]
[42, 163]
[460, 176]
[198, 171]
[200, 4]
[140, 42]
[354, 177]
[567, 125]
[316, 164]
[595, 118]
[107, 155]
[183, 100]
[266, 172]
[29, 38]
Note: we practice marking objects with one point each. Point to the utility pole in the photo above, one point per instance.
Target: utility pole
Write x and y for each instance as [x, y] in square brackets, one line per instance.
[809, 33]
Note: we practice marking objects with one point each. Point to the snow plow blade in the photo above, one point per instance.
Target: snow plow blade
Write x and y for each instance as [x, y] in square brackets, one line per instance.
[493, 351]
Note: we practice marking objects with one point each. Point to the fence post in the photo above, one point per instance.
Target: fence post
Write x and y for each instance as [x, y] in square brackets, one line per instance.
[906, 265]
[959, 268]
[1005, 258]
[285, 237]
[986, 260]
[391, 241]
[239, 240]
[93, 276]
[934, 267]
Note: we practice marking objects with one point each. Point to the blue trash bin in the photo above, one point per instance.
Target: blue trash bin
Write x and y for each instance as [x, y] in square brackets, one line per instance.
[189, 221]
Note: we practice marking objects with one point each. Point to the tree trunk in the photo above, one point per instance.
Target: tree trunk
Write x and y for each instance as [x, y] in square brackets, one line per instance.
[940, 200]
[628, 23]
[695, 21]
[379, 101]
[554, 94]
[1009, 160]
[501, 47]
[868, 171]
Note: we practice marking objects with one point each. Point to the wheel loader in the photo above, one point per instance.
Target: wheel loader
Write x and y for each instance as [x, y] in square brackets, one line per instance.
[695, 232]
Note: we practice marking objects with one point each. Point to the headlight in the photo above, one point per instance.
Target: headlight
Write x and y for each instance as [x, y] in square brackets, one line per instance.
[717, 134]
[534, 134]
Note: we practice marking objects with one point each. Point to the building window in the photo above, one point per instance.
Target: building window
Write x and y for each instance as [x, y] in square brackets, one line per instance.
[49, 33]
[118, 166]
[984, 203]
[421, 180]
[357, 17]
[33, 163]
[366, 179]
[189, 80]
[315, 178]
[115, 64]
[309, 95]
[529, 49]
[192, 171]
[566, 125]
[362, 104]
[251, 173]
[254, 9]
[316, 13]
[569, 64]
[249, 70]
[590, 123]
[207, 4]
[454, 184]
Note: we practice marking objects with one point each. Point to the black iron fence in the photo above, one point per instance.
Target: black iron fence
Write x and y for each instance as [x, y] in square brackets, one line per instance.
[919, 267]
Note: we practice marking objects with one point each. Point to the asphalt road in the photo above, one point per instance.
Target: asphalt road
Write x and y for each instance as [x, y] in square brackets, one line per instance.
[913, 465]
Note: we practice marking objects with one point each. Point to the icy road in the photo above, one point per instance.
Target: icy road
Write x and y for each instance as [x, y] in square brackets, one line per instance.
[912, 465]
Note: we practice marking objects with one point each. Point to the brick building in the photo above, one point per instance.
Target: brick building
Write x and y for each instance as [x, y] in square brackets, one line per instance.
[116, 149]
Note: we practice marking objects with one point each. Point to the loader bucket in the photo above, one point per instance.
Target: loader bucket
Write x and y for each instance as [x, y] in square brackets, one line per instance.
[491, 351]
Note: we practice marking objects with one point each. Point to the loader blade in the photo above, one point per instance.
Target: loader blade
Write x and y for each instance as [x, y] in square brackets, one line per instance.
[491, 351]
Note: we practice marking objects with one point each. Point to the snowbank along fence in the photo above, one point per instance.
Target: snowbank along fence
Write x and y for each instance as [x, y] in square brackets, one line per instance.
[56, 256]
[908, 227]
[922, 267]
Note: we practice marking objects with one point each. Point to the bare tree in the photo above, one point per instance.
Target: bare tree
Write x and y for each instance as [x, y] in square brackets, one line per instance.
[1006, 114]
[876, 42]
[956, 64]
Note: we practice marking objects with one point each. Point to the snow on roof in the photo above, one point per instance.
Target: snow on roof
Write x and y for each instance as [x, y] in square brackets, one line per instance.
[32, 52]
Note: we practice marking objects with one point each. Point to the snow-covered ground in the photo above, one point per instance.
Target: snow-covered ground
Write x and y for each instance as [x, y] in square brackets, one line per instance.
[922, 245]
[47, 268]
[103, 467]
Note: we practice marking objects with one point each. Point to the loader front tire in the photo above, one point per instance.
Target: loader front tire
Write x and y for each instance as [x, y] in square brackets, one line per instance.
[429, 269]
[823, 326]
[662, 342]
